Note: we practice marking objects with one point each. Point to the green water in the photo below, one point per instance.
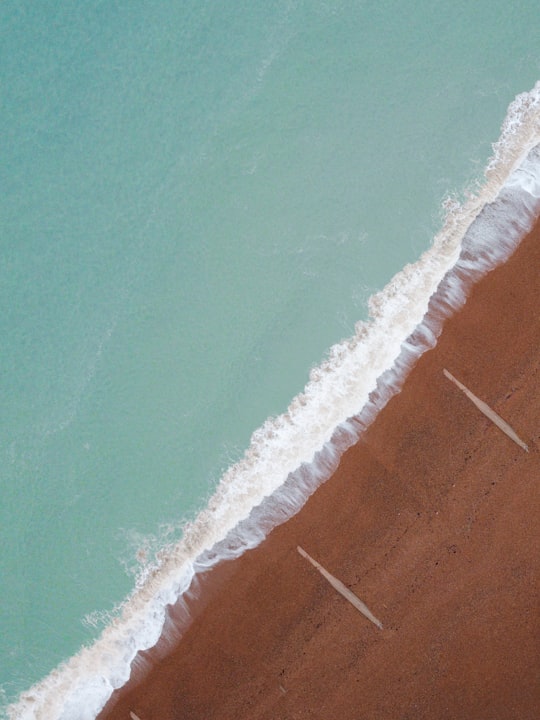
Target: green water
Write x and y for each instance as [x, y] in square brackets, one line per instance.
[197, 200]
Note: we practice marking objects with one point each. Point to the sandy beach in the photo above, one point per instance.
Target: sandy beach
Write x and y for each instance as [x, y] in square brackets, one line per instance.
[432, 519]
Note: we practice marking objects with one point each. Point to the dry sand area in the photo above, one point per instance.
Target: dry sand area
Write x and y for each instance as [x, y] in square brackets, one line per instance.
[432, 519]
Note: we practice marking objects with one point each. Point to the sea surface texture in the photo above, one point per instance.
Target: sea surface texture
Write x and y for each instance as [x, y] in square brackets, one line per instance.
[198, 201]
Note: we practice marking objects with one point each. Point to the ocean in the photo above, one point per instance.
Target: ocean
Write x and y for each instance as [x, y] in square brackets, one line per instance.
[199, 200]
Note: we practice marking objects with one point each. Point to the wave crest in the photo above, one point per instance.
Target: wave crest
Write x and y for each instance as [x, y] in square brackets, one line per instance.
[290, 455]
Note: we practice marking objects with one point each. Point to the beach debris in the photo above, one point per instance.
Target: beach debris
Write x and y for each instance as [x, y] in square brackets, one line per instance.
[342, 589]
[133, 716]
[488, 412]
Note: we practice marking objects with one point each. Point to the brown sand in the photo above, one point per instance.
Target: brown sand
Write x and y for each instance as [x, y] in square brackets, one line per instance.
[432, 519]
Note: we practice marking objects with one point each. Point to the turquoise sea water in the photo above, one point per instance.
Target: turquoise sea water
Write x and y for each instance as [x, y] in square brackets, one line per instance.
[198, 198]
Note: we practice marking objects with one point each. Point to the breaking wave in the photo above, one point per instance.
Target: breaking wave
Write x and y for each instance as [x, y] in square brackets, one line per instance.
[291, 455]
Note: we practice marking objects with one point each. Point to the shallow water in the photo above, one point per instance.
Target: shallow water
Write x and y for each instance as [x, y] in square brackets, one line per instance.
[198, 202]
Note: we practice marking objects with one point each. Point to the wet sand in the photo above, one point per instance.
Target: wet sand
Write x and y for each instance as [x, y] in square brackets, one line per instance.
[432, 519]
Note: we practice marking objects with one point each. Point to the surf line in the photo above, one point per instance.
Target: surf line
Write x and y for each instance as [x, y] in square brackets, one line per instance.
[342, 589]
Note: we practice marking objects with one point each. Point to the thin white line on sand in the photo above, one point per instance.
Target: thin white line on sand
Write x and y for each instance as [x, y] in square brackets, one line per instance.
[488, 412]
[342, 589]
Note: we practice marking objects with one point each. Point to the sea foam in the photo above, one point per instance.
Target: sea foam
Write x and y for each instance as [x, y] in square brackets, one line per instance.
[291, 455]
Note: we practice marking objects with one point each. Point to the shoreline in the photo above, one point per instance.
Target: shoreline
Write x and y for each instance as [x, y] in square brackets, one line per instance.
[436, 547]
[290, 456]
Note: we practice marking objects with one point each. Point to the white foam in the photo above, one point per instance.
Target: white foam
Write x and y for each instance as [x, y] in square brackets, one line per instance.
[289, 456]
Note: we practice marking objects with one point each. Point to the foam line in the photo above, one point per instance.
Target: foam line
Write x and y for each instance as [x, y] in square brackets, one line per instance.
[289, 456]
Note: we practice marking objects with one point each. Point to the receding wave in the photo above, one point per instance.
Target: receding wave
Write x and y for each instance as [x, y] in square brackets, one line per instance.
[291, 455]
